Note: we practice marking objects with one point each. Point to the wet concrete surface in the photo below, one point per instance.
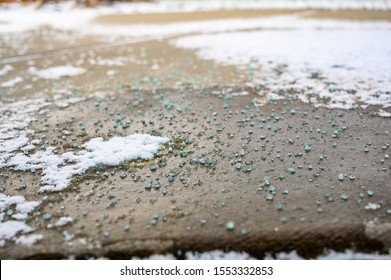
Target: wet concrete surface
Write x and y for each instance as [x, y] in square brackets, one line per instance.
[225, 165]
[235, 176]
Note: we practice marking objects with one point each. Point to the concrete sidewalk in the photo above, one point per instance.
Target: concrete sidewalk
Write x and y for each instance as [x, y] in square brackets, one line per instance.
[235, 176]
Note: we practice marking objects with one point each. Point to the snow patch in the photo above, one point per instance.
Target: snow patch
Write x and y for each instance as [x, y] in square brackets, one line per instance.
[306, 58]
[332, 255]
[292, 255]
[14, 134]
[384, 114]
[14, 121]
[6, 69]
[218, 255]
[57, 170]
[22, 206]
[116, 61]
[372, 206]
[58, 72]
[12, 82]
[28, 240]
[66, 16]
[80, 20]
[10, 229]
[63, 221]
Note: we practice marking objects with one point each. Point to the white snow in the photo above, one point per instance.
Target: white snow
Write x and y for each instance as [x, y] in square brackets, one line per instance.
[28, 240]
[115, 61]
[384, 114]
[67, 17]
[20, 18]
[10, 229]
[57, 170]
[111, 72]
[218, 255]
[350, 58]
[14, 120]
[333, 255]
[58, 72]
[14, 134]
[292, 255]
[372, 206]
[12, 82]
[241, 93]
[63, 221]
[6, 69]
[22, 206]
[65, 99]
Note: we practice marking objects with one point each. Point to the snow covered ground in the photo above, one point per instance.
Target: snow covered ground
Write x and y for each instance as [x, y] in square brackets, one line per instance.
[336, 63]
[67, 16]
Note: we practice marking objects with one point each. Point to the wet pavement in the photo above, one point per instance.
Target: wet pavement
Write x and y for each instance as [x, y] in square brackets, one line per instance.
[241, 173]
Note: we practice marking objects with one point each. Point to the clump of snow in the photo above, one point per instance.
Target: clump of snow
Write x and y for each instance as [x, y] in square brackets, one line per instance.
[57, 170]
[240, 93]
[12, 82]
[372, 206]
[14, 120]
[22, 206]
[63, 221]
[16, 225]
[10, 229]
[68, 236]
[64, 98]
[304, 55]
[28, 240]
[6, 69]
[218, 255]
[58, 72]
[384, 114]
[115, 61]
[111, 72]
